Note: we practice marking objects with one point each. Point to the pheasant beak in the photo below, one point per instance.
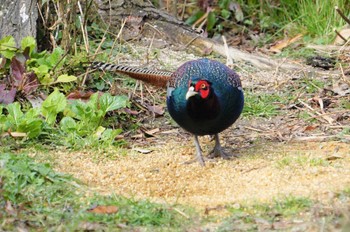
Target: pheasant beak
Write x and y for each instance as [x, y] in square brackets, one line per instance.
[190, 92]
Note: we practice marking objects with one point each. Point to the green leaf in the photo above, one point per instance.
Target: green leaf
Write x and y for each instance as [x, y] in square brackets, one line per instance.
[99, 131]
[8, 47]
[53, 104]
[211, 20]
[55, 57]
[68, 124]
[3, 120]
[15, 114]
[66, 78]
[109, 103]
[41, 71]
[225, 13]
[223, 4]
[109, 135]
[31, 124]
[191, 20]
[32, 127]
[19, 122]
[28, 42]
[43, 74]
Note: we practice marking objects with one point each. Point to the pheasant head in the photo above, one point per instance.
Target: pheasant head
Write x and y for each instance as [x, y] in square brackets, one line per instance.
[201, 88]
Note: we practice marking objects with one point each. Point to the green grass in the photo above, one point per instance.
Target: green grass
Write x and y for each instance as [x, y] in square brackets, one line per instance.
[315, 19]
[301, 160]
[319, 18]
[261, 104]
[311, 85]
[44, 199]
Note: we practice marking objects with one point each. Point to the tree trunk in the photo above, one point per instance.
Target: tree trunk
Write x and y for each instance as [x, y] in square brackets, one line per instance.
[134, 13]
[18, 18]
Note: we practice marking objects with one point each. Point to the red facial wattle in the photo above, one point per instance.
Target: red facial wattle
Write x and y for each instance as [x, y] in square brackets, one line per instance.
[203, 88]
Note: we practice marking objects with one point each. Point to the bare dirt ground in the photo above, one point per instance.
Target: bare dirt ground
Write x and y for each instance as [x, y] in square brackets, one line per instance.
[269, 166]
[262, 173]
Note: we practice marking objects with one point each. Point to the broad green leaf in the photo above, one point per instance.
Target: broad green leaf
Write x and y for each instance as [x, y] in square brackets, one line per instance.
[90, 117]
[8, 47]
[32, 127]
[55, 57]
[28, 42]
[41, 71]
[93, 101]
[76, 109]
[19, 122]
[109, 103]
[3, 121]
[99, 131]
[38, 59]
[46, 80]
[32, 113]
[110, 134]
[43, 74]
[15, 114]
[53, 104]
[66, 78]
[68, 124]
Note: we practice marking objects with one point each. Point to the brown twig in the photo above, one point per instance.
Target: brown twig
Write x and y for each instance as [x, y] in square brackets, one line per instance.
[342, 37]
[342, 15]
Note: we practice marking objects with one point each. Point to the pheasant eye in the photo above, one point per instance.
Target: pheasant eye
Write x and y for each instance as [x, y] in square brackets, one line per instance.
[203, 86]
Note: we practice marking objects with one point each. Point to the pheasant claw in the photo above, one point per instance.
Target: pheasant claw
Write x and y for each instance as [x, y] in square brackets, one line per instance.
[218, 151]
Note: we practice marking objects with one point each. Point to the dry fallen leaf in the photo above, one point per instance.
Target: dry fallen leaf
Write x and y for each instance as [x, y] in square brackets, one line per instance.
[89, 226]
[284, 43]
[143, 151]
[151, 132]
[9, 209]
[310, 128]
[132, 112]
[157, 110]
[138, 136]
[104, 209]
[18, 134]
[79, 95]
[334, 157]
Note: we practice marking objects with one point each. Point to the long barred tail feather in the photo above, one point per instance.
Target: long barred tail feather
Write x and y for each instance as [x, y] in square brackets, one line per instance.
[154, 77]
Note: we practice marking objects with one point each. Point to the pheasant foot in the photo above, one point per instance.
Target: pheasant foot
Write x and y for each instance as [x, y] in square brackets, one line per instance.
[218, 151]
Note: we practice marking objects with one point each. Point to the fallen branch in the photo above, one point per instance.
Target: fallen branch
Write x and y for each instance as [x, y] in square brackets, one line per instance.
[141, 14]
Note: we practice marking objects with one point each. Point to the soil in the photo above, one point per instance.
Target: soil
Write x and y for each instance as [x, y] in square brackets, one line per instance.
[262, 172]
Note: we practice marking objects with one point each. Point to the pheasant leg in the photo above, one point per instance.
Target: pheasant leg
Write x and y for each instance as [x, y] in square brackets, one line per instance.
[198, 151]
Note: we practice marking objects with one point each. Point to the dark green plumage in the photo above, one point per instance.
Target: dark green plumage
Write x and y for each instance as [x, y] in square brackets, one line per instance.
[213, 114]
